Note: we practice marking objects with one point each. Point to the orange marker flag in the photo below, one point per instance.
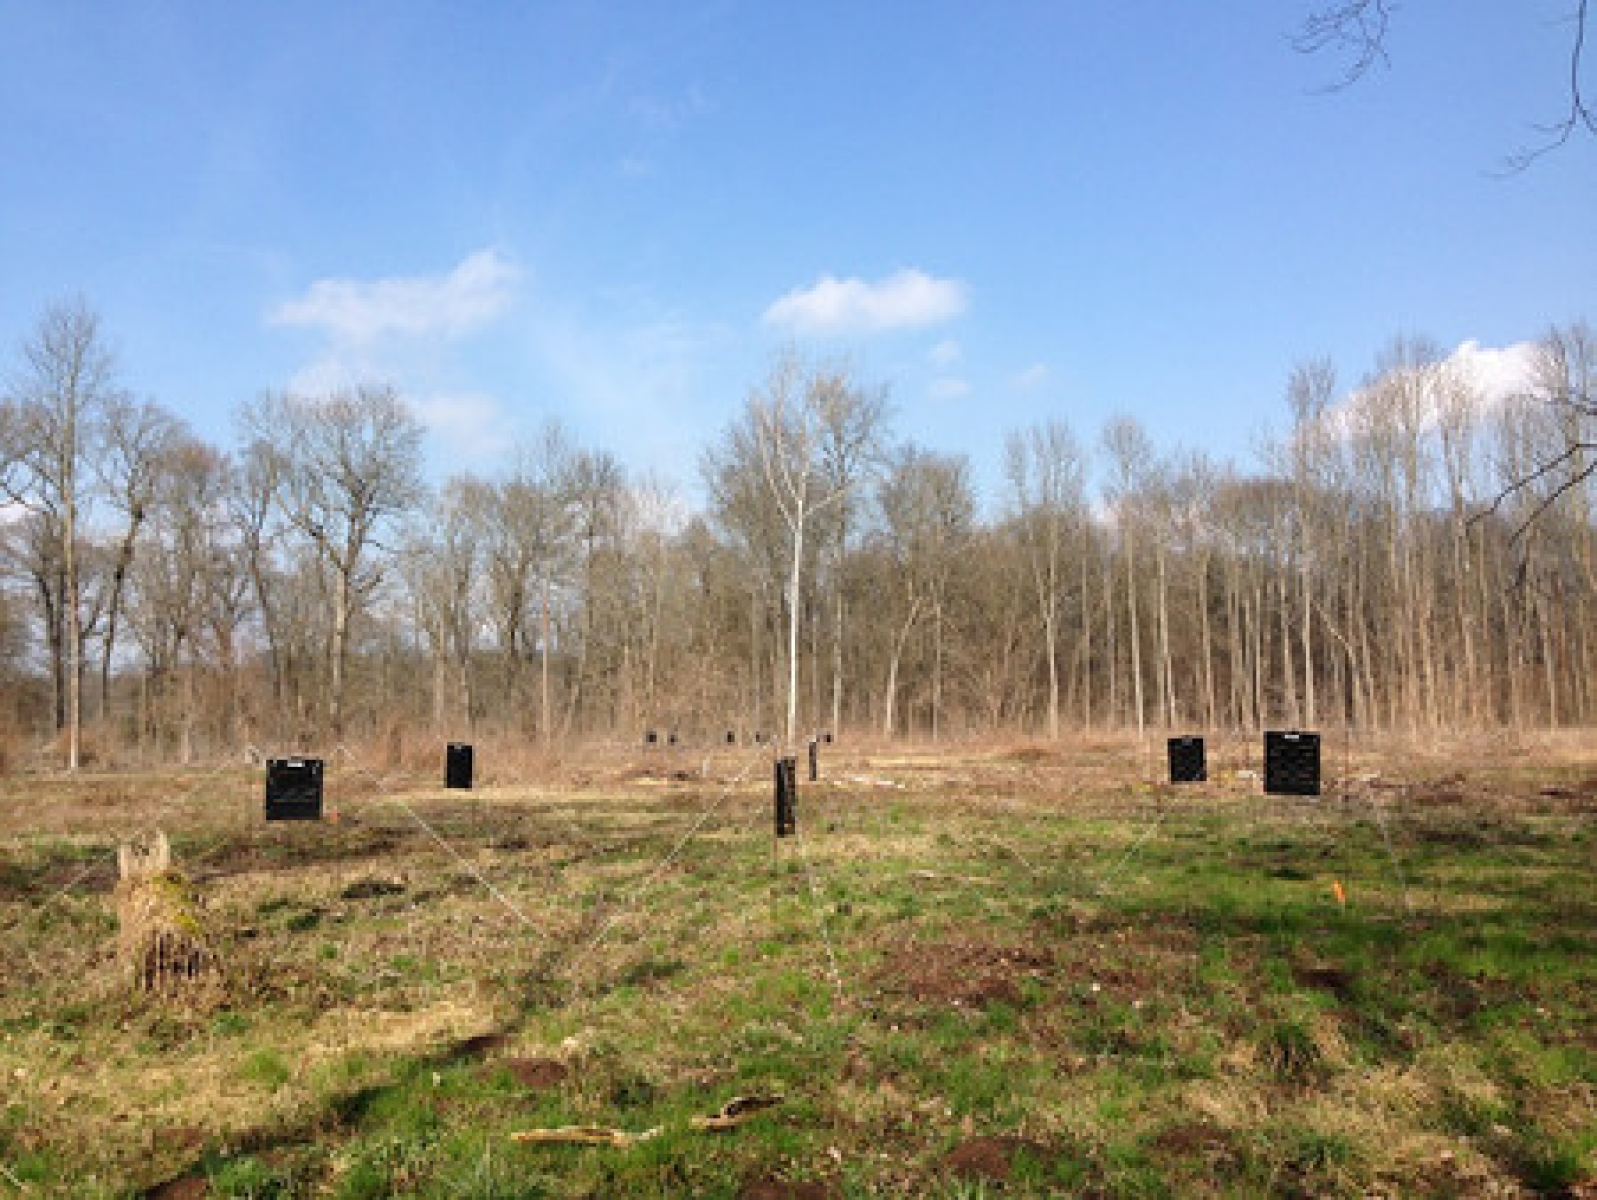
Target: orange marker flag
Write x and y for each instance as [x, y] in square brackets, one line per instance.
[1341, 896]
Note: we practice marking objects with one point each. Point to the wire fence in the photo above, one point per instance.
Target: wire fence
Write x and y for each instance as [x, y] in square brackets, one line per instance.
[582, 956]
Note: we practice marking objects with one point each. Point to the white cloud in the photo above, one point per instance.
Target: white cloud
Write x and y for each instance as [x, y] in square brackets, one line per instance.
[904, 300]
[948, 387]
[338, 370]
[468, 427]
[945, 354]
[1491, 377]
[398, 331]
[1031, 376]
[359, 312]
[1498, 374]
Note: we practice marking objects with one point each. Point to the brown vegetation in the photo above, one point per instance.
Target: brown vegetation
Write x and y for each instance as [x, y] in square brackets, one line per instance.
[1408, 559]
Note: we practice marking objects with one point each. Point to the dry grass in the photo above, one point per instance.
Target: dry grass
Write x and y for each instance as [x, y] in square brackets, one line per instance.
[1029, 960]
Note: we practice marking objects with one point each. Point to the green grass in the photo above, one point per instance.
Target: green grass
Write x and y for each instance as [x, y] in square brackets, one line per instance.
[1124, 993]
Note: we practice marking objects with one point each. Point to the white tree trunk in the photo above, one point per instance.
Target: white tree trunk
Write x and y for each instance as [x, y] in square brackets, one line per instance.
[793, 627]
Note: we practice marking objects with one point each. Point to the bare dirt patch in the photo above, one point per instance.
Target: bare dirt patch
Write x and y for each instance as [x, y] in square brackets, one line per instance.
[784, 1189]
[990, 1158]
[974, 973]
[184, 1187]
[535, 1074]
[1326, 977]
[1195, 1141]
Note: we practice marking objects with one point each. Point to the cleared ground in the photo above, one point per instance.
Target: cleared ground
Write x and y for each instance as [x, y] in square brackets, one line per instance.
[1023, 968]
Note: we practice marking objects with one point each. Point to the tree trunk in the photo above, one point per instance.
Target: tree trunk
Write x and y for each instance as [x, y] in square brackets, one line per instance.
[341, 609]
[1050, 647]
[186, 722]
[890, 699]
[1311, 717]
[1086, 645]
[837, 660]
[1112, 653]
[1167, 695]
[1206, 642]
[1287, 672]
[793, 628]
[545, 717]
[1135, 631]
[74, 631]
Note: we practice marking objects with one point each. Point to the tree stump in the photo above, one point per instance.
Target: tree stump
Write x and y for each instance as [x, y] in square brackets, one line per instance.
[165, 940]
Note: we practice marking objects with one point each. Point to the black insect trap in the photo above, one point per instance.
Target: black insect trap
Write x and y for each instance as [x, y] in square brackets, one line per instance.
[294, 789]
[1186, 760]
[457, 765]
[1291, 763]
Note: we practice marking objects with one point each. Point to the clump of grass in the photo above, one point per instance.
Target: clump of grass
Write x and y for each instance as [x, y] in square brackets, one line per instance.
[251, 1176]
[266, 1068]
[1288, 1049]
[1553, 1164]
[1311, 1154]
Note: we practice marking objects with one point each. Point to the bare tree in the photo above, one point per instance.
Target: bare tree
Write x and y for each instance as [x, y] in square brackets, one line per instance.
[927, 511]
[1310, 391]
[1044, 465]
[345, 466]
[780, 442]
[597, 493]
[747, 514]
[530, 525]
[173, 577]
[31, 549]
[1131, 460]
[49, 429]
[1566, 383]
[851, 432]
[1192, 492]
[252, 507]
[442, 553]
[139, 438]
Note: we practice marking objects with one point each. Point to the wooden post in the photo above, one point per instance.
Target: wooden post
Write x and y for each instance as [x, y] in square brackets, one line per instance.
[786, 780]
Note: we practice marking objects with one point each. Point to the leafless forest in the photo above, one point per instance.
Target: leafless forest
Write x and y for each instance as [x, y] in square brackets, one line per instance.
[1406, 557]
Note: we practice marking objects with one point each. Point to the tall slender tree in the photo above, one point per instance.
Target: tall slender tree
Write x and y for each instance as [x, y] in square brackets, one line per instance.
[1044, 466]
[50, 429]
[779, 441]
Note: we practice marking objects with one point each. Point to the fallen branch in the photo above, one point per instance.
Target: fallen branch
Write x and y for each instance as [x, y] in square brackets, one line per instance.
[731, 1114]
[932, 876]
[735, 1111]
[586, 1135]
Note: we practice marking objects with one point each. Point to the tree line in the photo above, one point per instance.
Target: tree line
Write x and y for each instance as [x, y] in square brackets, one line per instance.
[1407, 556]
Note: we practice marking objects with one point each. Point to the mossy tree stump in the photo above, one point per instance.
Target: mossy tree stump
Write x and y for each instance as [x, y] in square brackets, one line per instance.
[165, 940]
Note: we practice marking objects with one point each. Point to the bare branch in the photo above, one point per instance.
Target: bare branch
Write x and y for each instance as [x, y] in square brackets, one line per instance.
[1356, 28]
[1547, 468]
[1579, 115]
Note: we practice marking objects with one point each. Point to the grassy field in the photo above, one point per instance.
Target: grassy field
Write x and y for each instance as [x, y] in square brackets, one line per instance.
[1016, 969]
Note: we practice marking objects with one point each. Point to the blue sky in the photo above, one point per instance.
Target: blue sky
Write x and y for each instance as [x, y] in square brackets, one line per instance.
[614, 213]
